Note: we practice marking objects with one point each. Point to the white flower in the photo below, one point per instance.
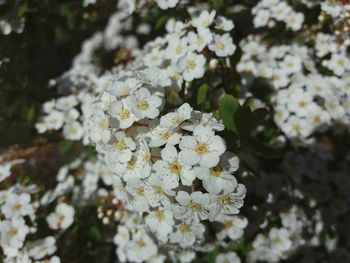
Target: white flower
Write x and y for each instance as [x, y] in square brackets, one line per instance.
[217, 179]
[233, 227]
[121, 110]
[192, 207]
[198, 41]
[297, 127]
[125, 87]
[143, 104]
[163, 135]
[66, 103]
[165, 4]
[73, 131]
[62, 218]
[224, 24]
[192, 66]
[279, 78]
[160, 222]
[338, 63]
[227, 203]
[300, 102]
[71, 115]
[172, 169]
[223, 45]
[177, 47]
[159, 191]
[204, 20]
[49, 106]
[13, 232]
[280, 239]
[42, 247]
[137, 188]
[99, 128]
[187, 234]
[54, 120]
[121, 148]
[17, 206]
[154, 58]
[261, 18]
[291, 64]
[295, 21]
[204, 147]
[204, 119]
[140, 248]
[5, 171]
[230, 257]
[281, 11]
[174, 119]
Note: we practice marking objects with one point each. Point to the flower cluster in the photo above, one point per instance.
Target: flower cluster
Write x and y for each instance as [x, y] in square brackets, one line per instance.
[279, 243]
[18, 211]
[303, 103]
[174, 171]
[268, 12]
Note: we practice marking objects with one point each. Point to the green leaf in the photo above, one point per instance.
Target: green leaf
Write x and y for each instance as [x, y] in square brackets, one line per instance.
[161, 21]
[31, 113]
[95, 233]
[228, 106]
[202, 94]
[65, 146]
[22, 10]
[217, 4]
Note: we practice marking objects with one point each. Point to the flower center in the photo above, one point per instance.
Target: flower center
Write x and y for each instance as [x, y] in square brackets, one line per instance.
[201, 148]
[120, 145]
[220, 45]
[141, 191]
[61, 218]
[302, 104]
[103, 124]
[141, 243]
[124, 114]
[225, 200]
[215, 171]
[200, 41]
[160, 215]
[178, 50]
[191, 64]
[72, 130]
[13, 232]
[166, 135]
[125, 90]
[158, 190]
[16, 207]
[142, 105]
[194, 206]
[131, 164]
[228, 224]
[184, 228]
[175, 167]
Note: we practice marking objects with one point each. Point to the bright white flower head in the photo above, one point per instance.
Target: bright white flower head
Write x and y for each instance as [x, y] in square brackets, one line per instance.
[192, 207]
[17, 206]
[62, 218]
[204, 147]
[192, 66]
[223, 45]
[13, 232]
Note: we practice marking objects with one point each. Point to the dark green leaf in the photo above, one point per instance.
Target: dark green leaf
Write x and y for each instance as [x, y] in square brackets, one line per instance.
[161, 21]
[202, 94]
[65, 146]
[95, 233]
[228, 105]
